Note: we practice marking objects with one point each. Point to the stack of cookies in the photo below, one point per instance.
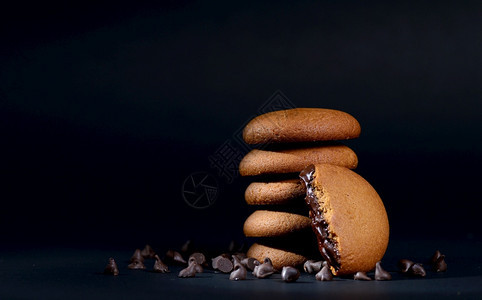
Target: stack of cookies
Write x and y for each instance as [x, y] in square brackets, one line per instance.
[289, 141]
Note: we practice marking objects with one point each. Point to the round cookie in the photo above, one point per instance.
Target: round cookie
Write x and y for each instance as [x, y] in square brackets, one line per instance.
[265, 223]
[301, 125]
[280, 192]
[279, 257]
[258, 162]
[348, 218]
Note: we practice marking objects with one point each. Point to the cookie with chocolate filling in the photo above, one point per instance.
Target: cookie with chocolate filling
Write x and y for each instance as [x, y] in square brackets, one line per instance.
[278, 192]
[348, 218]
[265, 223]
[293, 160]
[301, 125]
[280, 257]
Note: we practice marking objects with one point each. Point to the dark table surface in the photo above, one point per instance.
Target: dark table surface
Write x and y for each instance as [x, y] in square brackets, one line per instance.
[76, 272]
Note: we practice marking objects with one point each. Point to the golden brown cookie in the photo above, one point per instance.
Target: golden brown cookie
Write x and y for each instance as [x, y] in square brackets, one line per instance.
[280, 192]
[258, 162]
[280, 257]
[301, 125]
[348, 218]
[265, 223]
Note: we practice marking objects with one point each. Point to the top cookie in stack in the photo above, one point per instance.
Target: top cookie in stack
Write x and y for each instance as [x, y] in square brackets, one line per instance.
[294, 139]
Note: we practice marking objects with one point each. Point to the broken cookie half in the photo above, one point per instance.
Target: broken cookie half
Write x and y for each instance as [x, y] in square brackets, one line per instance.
[347, 216]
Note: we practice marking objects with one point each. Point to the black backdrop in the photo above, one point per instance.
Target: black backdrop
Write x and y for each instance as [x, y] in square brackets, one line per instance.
[107, 108]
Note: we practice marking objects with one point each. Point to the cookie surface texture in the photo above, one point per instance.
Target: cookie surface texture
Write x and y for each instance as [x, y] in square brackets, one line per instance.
[265, 223]
[260, 162]
[301, 125]
[280, 192]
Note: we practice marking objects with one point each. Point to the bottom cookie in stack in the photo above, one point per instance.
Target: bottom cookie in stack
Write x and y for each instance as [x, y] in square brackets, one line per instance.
[280, 256]
[288, 250]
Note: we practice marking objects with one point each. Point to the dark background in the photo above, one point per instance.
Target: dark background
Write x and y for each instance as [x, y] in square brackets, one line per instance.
[106, 107]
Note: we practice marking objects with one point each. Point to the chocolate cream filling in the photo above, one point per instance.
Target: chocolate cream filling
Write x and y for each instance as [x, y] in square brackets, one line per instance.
[326, 244]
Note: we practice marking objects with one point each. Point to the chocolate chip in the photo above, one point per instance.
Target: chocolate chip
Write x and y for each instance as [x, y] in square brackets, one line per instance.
[226, 255]
[239, 273]
[198, 257]
[438, 262]
[137, 256]
[159, 266]
[440, 265]
[264, 270]
[250, 263]
[361, 276]
[136, 265]
[417, 270]
[435, 257]
[148, 252]
[380, 273]
[240, 255]
[236, 260]
[324, 274]
[175, 256]
[190, 271]
[404, 265]
[198, 268]
[312, 266]
[111, 268]
[290, 274]
[222, 264]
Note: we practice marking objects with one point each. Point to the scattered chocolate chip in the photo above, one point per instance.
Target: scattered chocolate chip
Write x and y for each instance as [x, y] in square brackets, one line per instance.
[175, 256]
[236, 260]
[136, 265]
[198, 268]
[226, 255]
[312, 266]
[264, 270]
[198, 257]
[239, 272]
[240, 255]
[324, 274]
[435, 257]
[417, 270]
[159, 266]
[137, 256]
[111, 268]
[290, 274]
[440, 265]
[148, 252]
[438, 262]
[250, 263]
[190, 271]
[404, 265]
[361, 276]
[223, 264]
[380, 273]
